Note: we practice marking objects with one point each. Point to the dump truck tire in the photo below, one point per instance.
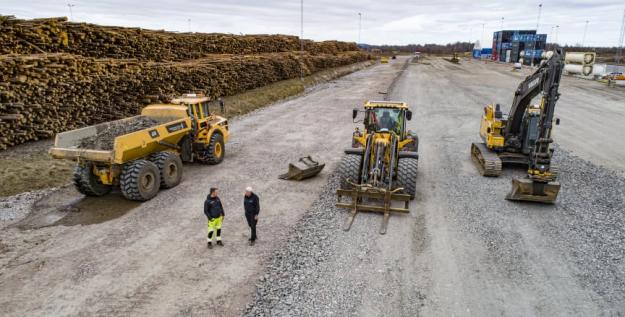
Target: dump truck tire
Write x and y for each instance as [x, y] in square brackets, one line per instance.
[215, 151]
[140, 180]
[350, 169]
[170, 167]
[407, 175]
[89, 184]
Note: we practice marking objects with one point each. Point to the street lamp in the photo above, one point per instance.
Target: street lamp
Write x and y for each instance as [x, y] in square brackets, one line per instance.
[540, 8]
[189, 25]
[71, 14]
[359, 26]
[585, 30]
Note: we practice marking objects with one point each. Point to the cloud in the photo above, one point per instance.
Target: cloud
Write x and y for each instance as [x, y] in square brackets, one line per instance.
[383, 22]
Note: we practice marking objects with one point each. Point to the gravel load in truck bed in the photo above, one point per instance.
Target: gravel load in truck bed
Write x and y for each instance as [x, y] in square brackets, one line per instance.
[105, 139]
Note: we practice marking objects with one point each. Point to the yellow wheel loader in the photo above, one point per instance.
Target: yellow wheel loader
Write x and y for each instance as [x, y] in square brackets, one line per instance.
[524, 136]
[381, 166]
[144, 157]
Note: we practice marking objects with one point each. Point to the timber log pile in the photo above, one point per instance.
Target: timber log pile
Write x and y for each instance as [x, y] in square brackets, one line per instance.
[42, 94]
[56, 35]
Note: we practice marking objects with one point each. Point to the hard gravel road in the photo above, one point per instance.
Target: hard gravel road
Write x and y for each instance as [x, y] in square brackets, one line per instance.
[75, 256]
[463, 250]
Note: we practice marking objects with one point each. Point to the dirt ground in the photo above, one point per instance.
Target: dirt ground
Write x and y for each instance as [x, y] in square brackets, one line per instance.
[463, 249]
[108, 256]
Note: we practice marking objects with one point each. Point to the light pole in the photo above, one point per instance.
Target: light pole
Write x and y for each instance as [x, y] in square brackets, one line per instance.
[189, 25]
[301, 21]
[301, 38]
[619, 50]
[482, 38]
[557, 29]
[71, 14]
[584, 38]
[502, 23]
[540, 8]
[359, 25]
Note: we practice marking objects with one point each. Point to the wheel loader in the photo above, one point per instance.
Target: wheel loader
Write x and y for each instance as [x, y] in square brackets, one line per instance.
[143, 161]
[523, 137]
[381, 166]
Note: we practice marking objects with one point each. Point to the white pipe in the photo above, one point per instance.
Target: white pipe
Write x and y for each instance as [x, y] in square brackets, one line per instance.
[585, 70]
[585, 58]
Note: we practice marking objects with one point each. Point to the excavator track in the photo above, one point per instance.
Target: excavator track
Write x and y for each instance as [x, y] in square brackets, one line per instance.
[487, 162]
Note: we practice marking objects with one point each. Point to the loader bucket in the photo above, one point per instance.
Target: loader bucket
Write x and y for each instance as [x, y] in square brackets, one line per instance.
[525, 189]
[304, 168]
[368, 198]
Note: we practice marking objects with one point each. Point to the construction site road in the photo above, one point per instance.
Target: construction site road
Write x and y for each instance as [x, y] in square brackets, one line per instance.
[463, 249]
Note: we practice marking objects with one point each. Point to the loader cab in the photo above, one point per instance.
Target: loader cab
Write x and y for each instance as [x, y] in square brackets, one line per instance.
[387, 116]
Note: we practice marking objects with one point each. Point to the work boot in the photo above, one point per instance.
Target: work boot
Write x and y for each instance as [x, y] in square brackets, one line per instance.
[220, 243]
[209, 245]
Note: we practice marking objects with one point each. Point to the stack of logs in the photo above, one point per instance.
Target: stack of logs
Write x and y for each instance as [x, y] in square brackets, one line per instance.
[42, 94]
[56, 35]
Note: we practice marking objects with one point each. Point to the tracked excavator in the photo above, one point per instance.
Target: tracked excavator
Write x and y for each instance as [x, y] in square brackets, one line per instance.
[381, 166]
[524, 135]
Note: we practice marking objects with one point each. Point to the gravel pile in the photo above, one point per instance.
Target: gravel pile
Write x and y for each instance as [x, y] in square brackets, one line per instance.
[105, 139]
[15, 208]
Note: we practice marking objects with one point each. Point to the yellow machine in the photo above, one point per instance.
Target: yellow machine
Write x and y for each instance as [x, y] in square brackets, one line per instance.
[454, 59]
[382, 163]
[524, 136]
[384, 59]
[144, 160]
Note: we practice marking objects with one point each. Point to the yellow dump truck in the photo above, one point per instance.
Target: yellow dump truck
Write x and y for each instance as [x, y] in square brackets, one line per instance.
[384, 59]
[144, 153]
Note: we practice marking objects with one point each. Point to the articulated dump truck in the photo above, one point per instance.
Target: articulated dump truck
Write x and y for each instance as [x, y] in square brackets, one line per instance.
[144, 153]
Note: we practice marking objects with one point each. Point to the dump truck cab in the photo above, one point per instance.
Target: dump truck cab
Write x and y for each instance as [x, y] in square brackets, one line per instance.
[208, 128]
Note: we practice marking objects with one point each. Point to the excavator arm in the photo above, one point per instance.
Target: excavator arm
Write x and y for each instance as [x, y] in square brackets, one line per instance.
[541, 80]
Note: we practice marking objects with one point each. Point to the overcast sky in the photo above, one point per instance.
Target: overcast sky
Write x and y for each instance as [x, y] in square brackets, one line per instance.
[383, 21]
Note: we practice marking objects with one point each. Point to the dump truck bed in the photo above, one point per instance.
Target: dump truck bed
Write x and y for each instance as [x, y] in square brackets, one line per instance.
[160, 134]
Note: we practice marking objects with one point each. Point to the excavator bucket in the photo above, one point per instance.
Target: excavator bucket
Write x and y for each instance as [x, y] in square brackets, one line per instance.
[369, 198]
[304, 168]
[525, 189]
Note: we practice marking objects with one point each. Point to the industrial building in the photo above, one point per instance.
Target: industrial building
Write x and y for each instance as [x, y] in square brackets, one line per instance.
[513, 46]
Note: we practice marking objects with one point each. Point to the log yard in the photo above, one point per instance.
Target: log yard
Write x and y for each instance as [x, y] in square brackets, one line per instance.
[312, 159]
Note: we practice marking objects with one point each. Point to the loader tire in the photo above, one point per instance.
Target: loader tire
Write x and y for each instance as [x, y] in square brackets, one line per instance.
[89, 184]
[170, 167]
[215, 151]
[350, 169]
[407, 175]
[140, 180]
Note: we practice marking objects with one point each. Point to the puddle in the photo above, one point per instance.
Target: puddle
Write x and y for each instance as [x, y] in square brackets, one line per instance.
[67, 207]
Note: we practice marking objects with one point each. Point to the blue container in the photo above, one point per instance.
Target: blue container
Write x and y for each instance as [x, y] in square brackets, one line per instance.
[477, 53]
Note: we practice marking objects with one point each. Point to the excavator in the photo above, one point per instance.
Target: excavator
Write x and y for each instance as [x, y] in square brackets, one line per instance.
[523, 137]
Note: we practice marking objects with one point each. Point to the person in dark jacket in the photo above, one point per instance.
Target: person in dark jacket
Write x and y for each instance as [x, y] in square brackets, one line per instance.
[214, 211]
[252, 209]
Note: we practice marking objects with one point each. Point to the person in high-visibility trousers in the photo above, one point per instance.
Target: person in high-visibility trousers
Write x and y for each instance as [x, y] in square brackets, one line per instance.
[214, 211]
